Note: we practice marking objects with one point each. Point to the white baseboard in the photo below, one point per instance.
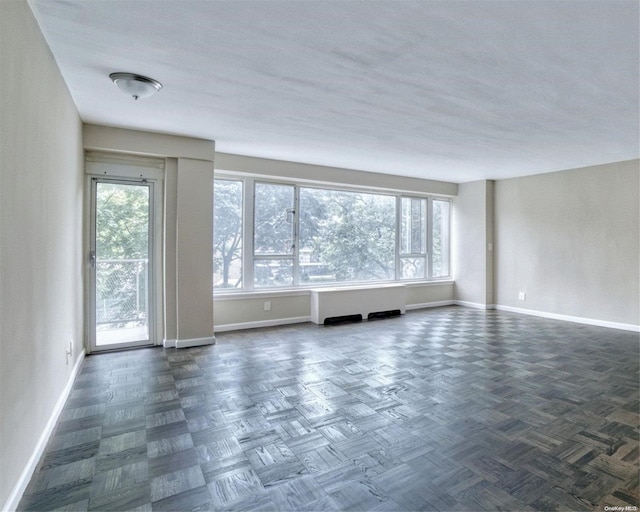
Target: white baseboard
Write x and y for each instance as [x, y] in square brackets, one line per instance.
[435, 304]
[21, 485]
[195, 342]
[262, 323]
[169, 343]
[569, 318]
[476, 305]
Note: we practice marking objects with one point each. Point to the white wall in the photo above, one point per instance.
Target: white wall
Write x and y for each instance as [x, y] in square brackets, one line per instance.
[40, 238]
[570, 241]
[331, 175]
[472, 240]
[233, 312]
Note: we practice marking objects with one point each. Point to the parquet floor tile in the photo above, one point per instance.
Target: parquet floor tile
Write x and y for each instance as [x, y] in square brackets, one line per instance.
[449, 409]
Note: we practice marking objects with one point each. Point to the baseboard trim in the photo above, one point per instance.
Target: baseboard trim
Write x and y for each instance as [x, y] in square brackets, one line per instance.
[569, 318]
[262, 323]
[195, 342]
[435, 304]
[476, 305]
[25, 477]
[169, 343]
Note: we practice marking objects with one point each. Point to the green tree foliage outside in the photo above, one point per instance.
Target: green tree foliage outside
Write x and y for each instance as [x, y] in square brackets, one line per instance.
[227, 240]
[344, 236]
[122, 220]
[350, 235]
[122, 248]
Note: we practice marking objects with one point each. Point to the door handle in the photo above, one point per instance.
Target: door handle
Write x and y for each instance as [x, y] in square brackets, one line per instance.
[92, 259]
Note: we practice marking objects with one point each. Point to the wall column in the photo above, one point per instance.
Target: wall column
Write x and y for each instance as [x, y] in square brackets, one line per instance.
[194, 253]
[472, 255]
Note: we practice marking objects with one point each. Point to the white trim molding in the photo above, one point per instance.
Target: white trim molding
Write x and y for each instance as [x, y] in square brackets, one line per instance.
[262, 323]
[435, 282]
[169, 343]
[476, 305]
[21, 485]
[435, 304]
[195, 342]
[569, 318]
[272, 293]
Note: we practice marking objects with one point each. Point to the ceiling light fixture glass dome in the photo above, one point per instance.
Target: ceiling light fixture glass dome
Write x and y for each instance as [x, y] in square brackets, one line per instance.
[137, 86]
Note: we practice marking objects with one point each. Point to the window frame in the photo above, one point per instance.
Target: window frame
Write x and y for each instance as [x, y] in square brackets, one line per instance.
[275, 256]
[447, 238]
[423, 254]
[243, 227]
[249, 256]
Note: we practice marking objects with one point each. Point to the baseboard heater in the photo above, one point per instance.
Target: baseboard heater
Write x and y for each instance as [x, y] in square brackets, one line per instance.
[337, 305]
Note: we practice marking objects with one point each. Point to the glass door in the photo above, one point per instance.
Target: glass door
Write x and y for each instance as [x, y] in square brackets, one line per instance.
[121, 308]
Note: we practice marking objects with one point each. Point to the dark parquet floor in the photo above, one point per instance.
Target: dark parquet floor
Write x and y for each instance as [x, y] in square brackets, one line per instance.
[443, 409]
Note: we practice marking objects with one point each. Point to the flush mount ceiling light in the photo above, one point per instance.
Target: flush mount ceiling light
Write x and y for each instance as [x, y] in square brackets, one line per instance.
[136, 85]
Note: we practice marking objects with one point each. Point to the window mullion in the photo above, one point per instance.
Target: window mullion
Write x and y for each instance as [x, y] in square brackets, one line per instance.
[429, 262]
[248, 233]
[398, 237]
[296, 236]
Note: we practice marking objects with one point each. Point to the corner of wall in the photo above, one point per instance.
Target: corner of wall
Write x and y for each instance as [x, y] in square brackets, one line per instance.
[473, 249]
[489, 242]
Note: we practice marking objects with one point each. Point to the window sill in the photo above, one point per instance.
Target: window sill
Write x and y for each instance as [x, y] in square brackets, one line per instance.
[294, 292]
[273, 292]
[438, 282]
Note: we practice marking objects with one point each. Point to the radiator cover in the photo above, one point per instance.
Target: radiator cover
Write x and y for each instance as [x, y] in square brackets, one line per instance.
[359, 300]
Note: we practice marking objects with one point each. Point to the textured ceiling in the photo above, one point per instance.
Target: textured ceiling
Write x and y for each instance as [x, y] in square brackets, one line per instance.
[449, 90]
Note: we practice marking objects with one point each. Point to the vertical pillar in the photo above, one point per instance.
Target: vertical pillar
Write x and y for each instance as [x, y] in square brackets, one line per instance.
[473, 250]
[169, 253]
[194, 253]
[489, 244]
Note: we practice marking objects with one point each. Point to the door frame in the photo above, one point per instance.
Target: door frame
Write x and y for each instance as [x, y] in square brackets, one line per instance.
[126, 169]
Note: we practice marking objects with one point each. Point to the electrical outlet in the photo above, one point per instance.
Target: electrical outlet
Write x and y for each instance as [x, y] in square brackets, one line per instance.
[522, 296]
[267, 306]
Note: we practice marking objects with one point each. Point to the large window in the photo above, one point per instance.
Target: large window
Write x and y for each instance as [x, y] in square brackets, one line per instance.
[270, 235]
[273, 244]
[346, 236]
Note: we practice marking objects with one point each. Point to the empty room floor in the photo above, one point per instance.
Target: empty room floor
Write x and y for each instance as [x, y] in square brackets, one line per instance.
[443, 409]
